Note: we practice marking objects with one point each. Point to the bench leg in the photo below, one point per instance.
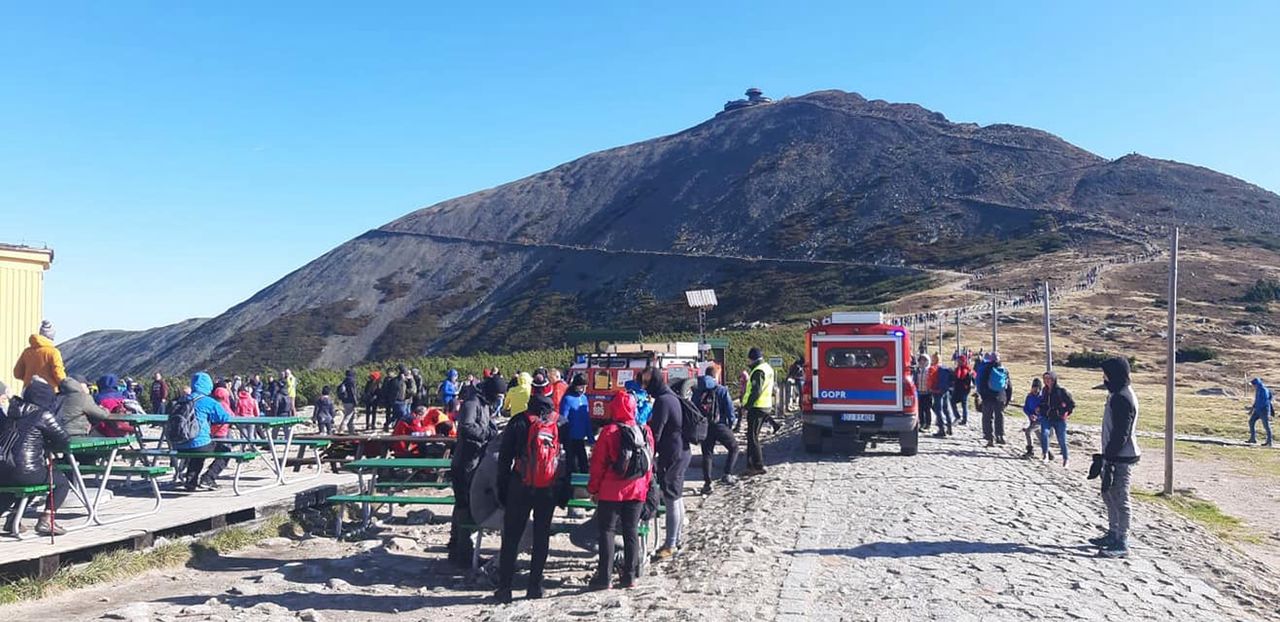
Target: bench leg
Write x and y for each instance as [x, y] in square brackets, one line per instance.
[155, 507]
[475, 550]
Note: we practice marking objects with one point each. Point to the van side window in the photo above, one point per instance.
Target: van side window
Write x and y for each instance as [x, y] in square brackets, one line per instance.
[857, 358]
[602, 381]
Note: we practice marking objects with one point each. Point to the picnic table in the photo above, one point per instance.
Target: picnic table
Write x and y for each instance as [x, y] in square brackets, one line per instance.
[277, 461]
[368, 496]
[110, 446]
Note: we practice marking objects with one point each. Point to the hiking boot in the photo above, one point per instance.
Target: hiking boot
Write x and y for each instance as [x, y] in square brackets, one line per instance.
[626, 583]
[45, 529]
[728, 480]
[1029, 452]
[664, 553]
[950, 431]
[598, 582]
[1267, 444]
[706, 489]
[208, 483]
[534, 592]
[941, 433]
[1115, 550]
[502, 596]
[1105, 540]
[1051, 455]
[1252, 441]
[14, 519]
[991, 443]
[999, 440]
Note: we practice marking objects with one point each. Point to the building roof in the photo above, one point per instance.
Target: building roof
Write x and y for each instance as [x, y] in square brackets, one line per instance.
[19, 252]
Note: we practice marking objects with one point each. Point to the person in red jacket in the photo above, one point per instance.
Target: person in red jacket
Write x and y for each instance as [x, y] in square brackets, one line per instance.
[416, 425]
[618, 498]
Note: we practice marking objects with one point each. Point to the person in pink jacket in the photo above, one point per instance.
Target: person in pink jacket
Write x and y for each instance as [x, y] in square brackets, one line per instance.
[620, 486]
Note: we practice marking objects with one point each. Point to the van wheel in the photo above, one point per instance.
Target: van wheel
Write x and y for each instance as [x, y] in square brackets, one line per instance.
[811, 436]
[909, 443]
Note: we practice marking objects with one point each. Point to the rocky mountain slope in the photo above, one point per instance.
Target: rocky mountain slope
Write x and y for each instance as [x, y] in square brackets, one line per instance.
[810, 202]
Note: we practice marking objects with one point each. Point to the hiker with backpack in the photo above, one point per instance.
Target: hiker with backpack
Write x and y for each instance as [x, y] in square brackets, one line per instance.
[716, 406]
[29, 432]
[575, 419]
[996, 392]
[323, 415]
[940, 379]
[370, 397]
[529, 473]
[347, 392]
[621, 470]
[188, 429]
[672, 449]
[1261, 410]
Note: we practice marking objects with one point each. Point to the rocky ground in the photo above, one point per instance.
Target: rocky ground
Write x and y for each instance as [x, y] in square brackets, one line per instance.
[959, 532]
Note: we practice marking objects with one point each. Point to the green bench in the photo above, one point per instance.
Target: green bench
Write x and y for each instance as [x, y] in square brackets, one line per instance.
[238, 457]
[368, 501]
[412, 484]
[303, 444]
[24, 495]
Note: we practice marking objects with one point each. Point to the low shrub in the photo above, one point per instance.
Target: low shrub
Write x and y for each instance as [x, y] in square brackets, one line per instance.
[1196, 354]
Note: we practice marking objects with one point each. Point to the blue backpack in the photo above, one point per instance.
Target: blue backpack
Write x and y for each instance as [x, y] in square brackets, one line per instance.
[998, 381]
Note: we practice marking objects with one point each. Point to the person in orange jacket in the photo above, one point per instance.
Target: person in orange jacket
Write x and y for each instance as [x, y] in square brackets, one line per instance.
[41, 358]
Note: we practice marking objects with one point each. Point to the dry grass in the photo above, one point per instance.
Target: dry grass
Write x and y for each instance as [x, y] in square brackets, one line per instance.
[117, 565]
[1202, 512]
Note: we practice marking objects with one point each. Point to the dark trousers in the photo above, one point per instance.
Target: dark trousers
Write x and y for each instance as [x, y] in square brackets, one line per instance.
[157, 406]
[992, 419]
[399, 410]
[370, 416]
[521, 500]
[576, 455]
[755, 455]
[608, 515]
[194, 465]
[460, 546]
[722, 435]
[924, 403]
[215, 468]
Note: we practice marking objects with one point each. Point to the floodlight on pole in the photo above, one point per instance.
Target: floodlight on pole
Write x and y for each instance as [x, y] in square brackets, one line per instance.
[702, 300]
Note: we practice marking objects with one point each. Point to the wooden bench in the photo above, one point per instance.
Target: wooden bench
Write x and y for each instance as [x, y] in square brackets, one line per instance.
[368, 501]
[151, 474]
[412, 484]
[24, 495]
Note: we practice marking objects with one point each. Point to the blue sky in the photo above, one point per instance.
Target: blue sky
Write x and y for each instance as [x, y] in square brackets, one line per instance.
[181, 156]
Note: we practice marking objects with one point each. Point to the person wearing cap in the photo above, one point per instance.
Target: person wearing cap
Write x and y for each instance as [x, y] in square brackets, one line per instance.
[521, 499]
[41, 358]
[993, 401]
[758, 400]
[575, 425]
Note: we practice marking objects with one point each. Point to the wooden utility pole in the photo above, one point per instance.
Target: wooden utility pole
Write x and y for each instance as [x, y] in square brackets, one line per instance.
[995, 320]
[1173, 364]
[957, 331]
[1048, 336]
[940, 323]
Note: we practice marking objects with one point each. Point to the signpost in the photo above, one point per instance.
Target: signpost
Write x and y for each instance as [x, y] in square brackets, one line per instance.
[702, 300]
[1172, 364]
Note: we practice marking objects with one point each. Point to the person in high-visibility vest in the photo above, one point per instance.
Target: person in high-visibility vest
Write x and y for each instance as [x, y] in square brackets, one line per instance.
[758, 401]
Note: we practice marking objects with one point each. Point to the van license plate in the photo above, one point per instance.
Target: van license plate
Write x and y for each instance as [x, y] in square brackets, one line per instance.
[857, 417]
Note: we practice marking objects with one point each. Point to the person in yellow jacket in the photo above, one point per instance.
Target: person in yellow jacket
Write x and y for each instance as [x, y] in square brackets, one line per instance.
[41, 358]
[517, 400]
[757, 399]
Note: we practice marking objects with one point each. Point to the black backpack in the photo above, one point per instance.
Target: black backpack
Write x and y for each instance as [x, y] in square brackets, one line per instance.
[635, 456]
[709, 404]
[694, 428]
[183, 426]
[345, 394]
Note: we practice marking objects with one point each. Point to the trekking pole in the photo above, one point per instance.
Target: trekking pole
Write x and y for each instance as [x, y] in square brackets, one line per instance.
[49, 502]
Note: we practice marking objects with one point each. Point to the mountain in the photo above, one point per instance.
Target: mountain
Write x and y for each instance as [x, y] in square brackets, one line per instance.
[786, 207]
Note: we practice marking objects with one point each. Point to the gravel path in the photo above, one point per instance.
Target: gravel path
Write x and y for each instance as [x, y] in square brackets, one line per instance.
[959, 532]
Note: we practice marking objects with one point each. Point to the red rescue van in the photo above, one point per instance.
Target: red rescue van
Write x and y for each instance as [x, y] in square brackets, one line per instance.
[859, 377]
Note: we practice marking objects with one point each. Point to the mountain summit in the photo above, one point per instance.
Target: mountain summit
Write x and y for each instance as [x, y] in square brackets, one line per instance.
[806, 202]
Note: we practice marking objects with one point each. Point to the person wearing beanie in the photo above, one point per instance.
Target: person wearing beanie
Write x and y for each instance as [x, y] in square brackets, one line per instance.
[27, 433]
[4, 398]
[476, 427]
[41, 358]
[522, 496]
[758, 401]
[575, 421]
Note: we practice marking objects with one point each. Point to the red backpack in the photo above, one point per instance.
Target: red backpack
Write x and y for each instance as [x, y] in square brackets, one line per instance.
[541, 461]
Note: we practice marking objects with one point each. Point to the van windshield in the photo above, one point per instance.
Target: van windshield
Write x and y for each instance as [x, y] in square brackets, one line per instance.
[857, 358]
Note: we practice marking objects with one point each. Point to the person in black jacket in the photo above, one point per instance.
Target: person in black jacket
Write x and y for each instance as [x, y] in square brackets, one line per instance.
[671, 454]
[159, 394]
[372, 393]
[993, 402]
[27, 433]
[347, 394]
[475, 429]
[520, 499]
[1056, 405]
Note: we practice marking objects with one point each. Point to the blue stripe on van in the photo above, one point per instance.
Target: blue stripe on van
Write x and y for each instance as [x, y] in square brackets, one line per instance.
[850, 394]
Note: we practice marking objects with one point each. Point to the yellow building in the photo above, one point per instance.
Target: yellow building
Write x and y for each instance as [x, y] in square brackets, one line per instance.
[21, 302]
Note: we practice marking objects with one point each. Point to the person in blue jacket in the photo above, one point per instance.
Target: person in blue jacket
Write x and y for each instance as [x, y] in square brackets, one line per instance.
[207, 410]
[449, 391]
[644, 403]
[716, 404]
[575, 422]
[1260, 411]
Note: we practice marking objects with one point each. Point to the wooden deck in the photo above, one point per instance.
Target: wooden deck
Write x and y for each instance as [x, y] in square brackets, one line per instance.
[181, 513]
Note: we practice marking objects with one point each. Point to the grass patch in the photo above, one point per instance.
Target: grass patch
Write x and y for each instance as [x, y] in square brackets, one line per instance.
[1196, 354]
[1200, 511]
[118, 565]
